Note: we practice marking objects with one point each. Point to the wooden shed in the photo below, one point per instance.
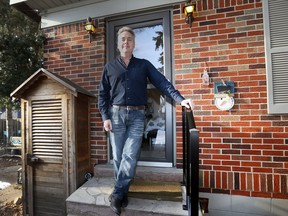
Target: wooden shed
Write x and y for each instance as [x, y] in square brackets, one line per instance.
[55, 141]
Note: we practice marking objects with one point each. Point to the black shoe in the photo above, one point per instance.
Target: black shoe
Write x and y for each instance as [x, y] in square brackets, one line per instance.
[125, 201]
[115, 205]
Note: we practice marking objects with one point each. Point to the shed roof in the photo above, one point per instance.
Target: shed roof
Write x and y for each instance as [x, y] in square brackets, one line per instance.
[73, 87]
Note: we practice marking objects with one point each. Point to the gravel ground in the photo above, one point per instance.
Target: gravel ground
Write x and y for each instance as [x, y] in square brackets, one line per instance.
[10, 197]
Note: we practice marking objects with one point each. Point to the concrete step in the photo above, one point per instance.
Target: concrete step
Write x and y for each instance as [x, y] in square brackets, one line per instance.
[143, 173]
[92, 199]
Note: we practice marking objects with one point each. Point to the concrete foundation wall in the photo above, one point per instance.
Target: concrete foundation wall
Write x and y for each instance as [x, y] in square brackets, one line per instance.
[233, 205]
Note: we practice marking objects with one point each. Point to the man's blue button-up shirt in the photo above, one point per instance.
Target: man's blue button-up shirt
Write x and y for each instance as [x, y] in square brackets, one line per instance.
[121, 85]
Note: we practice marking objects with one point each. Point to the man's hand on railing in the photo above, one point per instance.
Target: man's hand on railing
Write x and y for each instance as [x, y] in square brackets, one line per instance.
[188, 103]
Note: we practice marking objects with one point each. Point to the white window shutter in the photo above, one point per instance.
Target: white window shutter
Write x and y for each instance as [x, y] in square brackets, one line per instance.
[276, 47]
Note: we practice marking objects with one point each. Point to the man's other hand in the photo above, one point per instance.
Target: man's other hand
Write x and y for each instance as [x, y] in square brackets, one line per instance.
[188, 103]
[108, 125]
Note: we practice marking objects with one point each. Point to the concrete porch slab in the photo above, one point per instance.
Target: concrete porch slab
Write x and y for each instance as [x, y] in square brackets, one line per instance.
[92, 199]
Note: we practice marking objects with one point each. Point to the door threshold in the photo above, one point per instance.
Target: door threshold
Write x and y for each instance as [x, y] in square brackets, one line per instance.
[151, 164]
[154, 164]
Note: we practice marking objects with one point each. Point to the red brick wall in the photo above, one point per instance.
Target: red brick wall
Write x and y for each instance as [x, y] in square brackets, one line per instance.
[243, 151]
[69, 53]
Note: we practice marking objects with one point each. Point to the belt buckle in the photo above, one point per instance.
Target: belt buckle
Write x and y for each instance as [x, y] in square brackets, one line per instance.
[128, 108]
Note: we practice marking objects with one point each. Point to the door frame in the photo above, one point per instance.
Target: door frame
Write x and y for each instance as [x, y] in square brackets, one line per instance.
[134, 21]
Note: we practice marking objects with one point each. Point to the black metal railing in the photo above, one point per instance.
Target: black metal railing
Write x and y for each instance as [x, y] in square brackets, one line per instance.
[190, 184]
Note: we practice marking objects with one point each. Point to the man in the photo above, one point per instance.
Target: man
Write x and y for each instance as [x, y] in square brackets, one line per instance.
[122, 100]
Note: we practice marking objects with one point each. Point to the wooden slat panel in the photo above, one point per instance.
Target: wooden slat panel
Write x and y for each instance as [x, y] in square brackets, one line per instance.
[48, 189]
[48, 171]
[50, 208]
[47, 128]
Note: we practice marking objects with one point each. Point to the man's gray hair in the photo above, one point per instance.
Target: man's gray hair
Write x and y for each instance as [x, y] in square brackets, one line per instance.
[127, 29]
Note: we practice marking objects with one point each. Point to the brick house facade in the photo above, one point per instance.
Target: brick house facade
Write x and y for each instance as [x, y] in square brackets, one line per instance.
[243, 151]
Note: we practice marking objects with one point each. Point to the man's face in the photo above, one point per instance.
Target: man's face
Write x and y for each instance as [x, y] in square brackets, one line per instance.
[126, 43]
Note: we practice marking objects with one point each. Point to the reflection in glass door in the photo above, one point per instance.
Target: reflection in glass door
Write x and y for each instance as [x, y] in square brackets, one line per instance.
[152, 33]
[149, 45]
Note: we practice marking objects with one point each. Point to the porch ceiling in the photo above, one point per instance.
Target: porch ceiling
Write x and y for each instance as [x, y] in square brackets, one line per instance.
[57, 12]
[35, 8]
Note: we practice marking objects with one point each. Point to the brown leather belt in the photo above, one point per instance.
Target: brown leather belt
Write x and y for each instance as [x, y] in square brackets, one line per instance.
[142, 107]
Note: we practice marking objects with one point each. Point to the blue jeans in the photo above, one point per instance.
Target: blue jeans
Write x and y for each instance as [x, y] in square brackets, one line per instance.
[126, 139]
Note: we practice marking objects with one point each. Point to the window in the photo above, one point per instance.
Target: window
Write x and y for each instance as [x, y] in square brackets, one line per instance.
[276, 45]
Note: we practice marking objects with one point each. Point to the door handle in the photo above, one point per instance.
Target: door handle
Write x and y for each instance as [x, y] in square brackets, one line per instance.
[32, 159]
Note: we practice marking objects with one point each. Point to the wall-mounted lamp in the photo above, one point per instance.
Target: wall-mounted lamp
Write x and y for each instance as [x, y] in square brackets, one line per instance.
[188, 10]
[90, 28]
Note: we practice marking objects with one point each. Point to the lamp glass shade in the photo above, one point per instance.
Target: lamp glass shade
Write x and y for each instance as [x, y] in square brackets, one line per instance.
[189, 9]
[89, 27]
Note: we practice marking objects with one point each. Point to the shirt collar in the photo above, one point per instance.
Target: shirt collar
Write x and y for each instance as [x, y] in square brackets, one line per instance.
[122, 62]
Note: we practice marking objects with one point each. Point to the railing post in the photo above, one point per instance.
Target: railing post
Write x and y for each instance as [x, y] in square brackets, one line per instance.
[194, 166]
[190, 163]
[185, 162]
